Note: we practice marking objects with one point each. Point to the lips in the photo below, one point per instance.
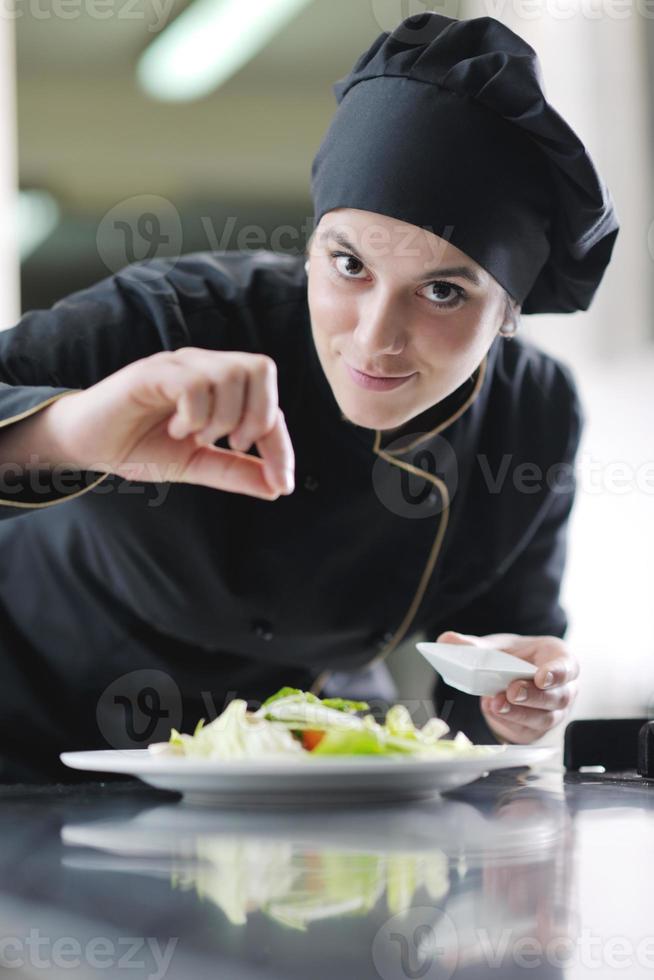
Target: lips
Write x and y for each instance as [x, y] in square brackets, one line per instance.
[383, 377]
[375, 382]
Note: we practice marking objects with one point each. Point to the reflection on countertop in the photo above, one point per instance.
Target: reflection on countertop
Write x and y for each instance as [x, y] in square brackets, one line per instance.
[518, 874]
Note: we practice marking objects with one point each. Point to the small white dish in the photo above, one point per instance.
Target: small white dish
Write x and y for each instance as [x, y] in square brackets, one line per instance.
[475, 670]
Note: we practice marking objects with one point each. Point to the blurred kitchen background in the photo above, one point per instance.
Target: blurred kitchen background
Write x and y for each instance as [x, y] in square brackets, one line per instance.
[131, 127]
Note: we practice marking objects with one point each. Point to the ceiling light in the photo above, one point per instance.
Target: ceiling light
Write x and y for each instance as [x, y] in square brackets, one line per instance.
[208, 43]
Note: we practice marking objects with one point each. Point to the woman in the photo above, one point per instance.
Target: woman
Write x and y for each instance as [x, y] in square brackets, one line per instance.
[433, 454]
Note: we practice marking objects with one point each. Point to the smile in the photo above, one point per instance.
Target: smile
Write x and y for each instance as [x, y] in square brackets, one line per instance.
[373, 383]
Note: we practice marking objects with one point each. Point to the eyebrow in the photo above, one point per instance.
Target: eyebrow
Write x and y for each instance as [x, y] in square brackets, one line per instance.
[461, 271]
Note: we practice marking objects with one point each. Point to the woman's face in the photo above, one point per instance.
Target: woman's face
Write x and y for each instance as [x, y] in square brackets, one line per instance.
[390, 299]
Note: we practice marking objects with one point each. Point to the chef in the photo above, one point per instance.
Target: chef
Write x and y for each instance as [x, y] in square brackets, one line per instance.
[240, 470]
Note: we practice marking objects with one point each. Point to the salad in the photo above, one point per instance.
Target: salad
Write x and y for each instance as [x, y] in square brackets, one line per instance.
[300, 724]
[298, 886]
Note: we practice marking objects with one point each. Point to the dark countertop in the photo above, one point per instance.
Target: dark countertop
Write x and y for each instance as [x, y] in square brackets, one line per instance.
[519, 874]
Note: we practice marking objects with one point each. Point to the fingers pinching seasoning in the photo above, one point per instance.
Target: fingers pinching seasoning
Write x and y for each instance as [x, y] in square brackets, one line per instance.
[158, 419]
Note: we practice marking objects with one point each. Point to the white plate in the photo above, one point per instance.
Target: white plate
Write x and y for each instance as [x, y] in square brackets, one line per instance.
[475, 670]
[311, 781]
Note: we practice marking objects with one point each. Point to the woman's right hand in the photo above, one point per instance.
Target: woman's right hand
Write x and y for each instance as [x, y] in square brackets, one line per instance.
[157, 418]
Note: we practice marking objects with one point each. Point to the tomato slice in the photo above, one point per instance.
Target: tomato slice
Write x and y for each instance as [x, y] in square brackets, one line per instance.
[311, 738]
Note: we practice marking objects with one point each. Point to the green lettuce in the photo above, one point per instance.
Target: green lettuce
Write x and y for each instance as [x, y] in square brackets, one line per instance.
[237, 734]
[276, 729]
[339, 704]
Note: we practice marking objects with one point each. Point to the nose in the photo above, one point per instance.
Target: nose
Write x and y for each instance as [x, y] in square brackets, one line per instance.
[379, 330]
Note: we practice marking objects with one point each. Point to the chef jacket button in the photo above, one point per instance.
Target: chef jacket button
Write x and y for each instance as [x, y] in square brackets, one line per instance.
[310, 482]
[263, 629]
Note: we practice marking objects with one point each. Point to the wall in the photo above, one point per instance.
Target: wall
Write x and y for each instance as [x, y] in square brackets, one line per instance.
[9, 278]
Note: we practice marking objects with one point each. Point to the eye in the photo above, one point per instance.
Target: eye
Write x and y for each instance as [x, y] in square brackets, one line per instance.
[456, 293]
[448, 294]
[346, 260]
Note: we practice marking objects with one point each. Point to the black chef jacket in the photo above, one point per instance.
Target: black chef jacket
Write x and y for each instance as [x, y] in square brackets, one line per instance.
[129, 606]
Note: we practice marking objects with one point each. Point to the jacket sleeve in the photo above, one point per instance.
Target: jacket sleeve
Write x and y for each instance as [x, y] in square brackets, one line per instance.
[526, 598]
[81, 339]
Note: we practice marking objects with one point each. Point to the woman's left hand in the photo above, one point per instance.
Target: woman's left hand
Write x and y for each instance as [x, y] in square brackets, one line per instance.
[528, 708]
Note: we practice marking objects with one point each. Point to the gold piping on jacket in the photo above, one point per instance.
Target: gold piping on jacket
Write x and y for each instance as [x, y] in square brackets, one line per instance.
[442, 524]
[431, 560]
[481, 374]
[50, 503]
[36, 408]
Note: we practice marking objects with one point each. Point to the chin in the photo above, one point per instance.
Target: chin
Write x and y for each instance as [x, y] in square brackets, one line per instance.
[369, 416]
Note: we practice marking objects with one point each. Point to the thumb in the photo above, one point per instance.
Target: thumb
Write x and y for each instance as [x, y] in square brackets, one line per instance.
[451, 636]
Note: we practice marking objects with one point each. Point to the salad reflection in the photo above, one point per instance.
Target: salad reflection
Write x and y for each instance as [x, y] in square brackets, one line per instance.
[295, 888]
[296, 870]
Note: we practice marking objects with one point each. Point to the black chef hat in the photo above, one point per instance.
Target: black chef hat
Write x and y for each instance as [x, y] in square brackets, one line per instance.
[444, 124]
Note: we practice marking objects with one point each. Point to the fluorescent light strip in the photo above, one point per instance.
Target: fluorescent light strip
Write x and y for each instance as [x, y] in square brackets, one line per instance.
[37, 216]
[208, 43]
